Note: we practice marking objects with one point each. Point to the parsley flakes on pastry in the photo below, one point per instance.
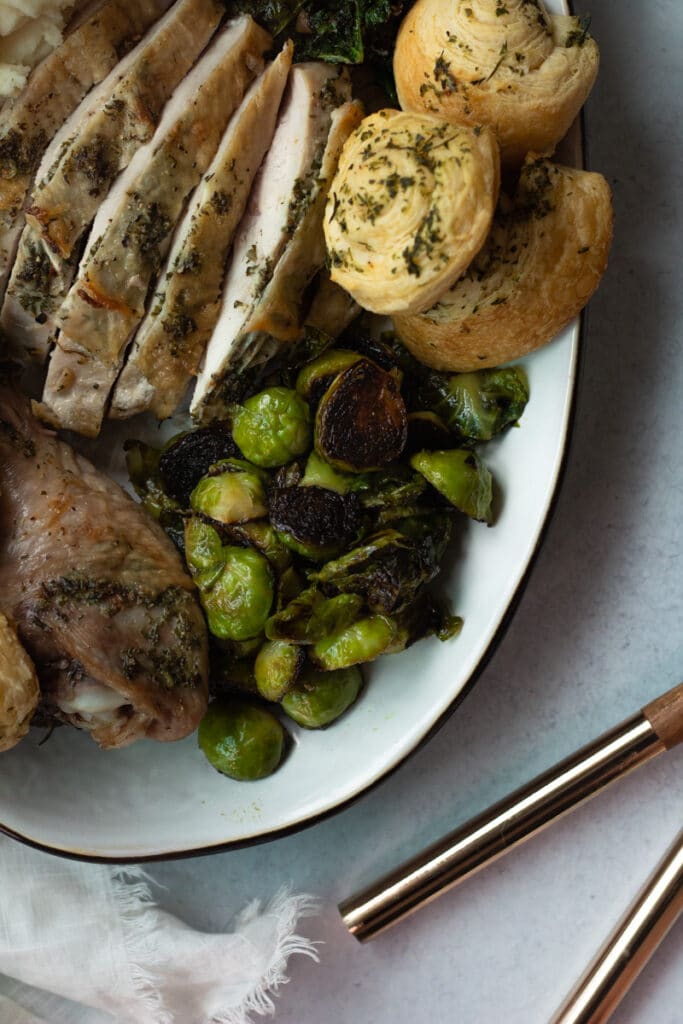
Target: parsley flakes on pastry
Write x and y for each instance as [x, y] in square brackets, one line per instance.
[543, 260]
[505, 63]
[409, 208]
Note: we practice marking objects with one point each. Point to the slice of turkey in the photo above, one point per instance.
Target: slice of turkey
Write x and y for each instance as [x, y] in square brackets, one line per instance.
[85, 155]
[132, 230]
[56, 87]
[276, 319]
[283, 185]
[183, 311]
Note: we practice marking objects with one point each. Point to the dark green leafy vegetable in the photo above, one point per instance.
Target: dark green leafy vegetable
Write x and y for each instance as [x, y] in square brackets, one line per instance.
[462, 478]
[241, 740]
[484, 403]
[321, 697]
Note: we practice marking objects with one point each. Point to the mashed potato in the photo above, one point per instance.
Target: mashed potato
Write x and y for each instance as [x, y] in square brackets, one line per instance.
[29, 30]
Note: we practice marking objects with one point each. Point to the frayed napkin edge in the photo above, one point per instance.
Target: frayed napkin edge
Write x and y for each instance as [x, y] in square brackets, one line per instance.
[136, 904]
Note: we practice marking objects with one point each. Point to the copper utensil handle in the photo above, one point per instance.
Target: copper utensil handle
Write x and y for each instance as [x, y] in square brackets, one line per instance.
[619, 962]
[518, 816]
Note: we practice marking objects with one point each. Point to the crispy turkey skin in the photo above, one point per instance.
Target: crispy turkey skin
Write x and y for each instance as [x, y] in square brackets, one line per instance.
[97, 591]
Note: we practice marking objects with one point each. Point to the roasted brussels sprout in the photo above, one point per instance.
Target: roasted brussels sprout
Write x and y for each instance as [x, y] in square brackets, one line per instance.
[387, 571]
[321, 474]
[233, 493]
[241, 740]
[259, 534]
[314, 521]
[277, 667]
[203, 547]
[310, 616]
[187, 458]
[461, 477]
[237, 595]
[361, 422]
[318, 698]
[315, 378]
[142, 463]
[272, 427]
[426, 430]
[362, 641]
[289, 585]
[482, 404]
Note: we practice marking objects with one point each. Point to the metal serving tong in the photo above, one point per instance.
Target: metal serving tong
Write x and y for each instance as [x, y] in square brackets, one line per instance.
[656, 728]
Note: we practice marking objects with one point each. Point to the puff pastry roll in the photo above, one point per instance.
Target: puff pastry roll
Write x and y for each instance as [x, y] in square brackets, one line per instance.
[19, 691]
[543, 260]
[409, 207]
[507, 64]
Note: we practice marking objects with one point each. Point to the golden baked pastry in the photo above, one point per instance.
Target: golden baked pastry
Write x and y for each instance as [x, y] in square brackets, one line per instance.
[19, 692]
[409, 207]
[506, 63]
[543, 260]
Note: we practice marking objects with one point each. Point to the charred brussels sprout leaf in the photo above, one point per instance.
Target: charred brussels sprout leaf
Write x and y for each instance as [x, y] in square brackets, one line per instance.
[313, 521]
[361, 422]
[186, 459]
[321, 474]
[260, 534]
[142, 463]
[237, 595]
[461, 477]
[231, 496]
[360, 642]
[387, 571]
[277, 668]
[310, 616]
[426, 430]
[315, 378]
[482, 404]
[321, 697]
[241, 740]
[272, 427]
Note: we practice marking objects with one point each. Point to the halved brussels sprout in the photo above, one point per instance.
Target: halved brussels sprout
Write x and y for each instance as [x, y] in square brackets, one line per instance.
[310, 616]
[240, 739]
[361, 422]
[462, 478]
[318, 698]
[387, 571]
[203, 546]
[187, 458]
[272, 427]
[232, 496]
[315, 378]
[238, 597]
[277, 668]
[482, 404]
[314, 521]
[259, 534]
[362, 641]
[321, 474]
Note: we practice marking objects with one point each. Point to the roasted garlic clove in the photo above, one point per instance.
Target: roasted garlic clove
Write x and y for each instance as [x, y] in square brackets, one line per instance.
[409, 208]
[510, 65]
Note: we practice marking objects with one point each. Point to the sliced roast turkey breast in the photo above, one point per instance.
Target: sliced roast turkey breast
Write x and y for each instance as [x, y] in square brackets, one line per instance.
[282, 188]
[277, 317]
[133, 227]
[183, 311]
[56, 87]
[84, 157]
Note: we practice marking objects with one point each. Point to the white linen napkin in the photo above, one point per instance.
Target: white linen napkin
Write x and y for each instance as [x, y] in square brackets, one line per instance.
[93, 934]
